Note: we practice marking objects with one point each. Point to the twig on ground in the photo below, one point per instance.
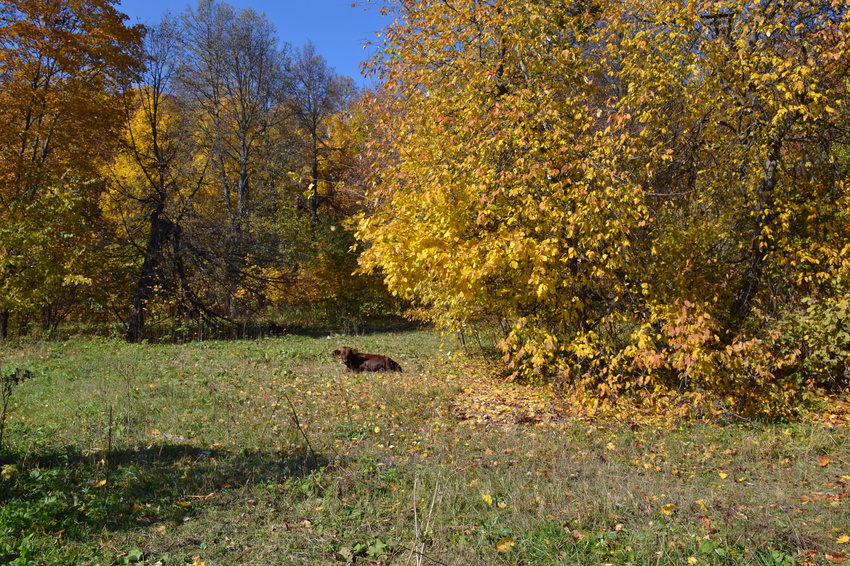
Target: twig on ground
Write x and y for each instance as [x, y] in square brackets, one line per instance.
[416, 526]
[733, 413]
[297, 423]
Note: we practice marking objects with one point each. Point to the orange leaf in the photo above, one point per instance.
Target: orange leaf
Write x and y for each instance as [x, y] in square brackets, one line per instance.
[823, 461]
[836, 557]
[505, 544]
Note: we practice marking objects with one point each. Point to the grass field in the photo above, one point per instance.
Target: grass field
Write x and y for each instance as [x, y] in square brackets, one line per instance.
[266, 452]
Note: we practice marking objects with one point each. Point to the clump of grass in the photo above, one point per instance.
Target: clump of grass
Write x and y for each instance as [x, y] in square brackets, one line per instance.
[9, 381]
[266, 452]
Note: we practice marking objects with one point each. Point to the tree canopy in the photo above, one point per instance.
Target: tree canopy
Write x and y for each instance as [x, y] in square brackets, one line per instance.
[184, 174]
[647, 200]
[62, 66]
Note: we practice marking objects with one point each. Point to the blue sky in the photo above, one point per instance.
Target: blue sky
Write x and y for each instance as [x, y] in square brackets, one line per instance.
[337, 29]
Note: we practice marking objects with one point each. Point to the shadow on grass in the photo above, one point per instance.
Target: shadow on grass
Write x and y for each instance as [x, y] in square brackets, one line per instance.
[71, 494]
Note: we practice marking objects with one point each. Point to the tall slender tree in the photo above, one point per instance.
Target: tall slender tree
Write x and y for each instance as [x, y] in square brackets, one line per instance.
[314, 94]
[155, 177]
[232, 72]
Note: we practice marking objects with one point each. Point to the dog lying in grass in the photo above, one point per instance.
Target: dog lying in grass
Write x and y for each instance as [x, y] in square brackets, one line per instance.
[355, 361]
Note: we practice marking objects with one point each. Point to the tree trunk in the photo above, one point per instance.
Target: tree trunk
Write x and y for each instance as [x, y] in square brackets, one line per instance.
[46, 317]
[314, 172]
[751, 279]
[4, 324]
[159, 232]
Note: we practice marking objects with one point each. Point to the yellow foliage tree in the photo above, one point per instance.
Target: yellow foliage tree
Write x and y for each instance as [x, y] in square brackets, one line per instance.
[637, 193]
[156, 180]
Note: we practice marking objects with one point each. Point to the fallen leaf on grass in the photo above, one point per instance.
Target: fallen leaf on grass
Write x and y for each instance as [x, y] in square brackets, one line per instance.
[836, 557]
[823, 461]
[505, 544]
[577, 535]
[843, 539]
[668, 509]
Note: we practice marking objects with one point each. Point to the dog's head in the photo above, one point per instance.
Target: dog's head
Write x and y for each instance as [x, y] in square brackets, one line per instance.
[345, 353]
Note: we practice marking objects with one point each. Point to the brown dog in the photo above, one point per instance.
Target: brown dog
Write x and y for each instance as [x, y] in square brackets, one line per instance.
[355, 361]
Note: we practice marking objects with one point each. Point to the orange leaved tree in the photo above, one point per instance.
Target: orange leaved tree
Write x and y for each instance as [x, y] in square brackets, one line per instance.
[62, 63]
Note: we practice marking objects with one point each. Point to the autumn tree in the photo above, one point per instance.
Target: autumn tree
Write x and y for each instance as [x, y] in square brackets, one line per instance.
[206, 194]
[62, 63]
[232, 73]
[328, 279]
[314, 94]
[154, 182]
[639, 195]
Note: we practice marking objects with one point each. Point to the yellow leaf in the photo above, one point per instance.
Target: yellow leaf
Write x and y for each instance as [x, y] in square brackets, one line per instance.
[668, 509]
[505, 544]
[723, 475]
[692, 560]
[488, 499]
[843, 539]
[100, 483]
[502, 504]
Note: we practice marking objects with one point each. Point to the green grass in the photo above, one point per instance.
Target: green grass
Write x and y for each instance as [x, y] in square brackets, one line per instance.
[266, 452]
